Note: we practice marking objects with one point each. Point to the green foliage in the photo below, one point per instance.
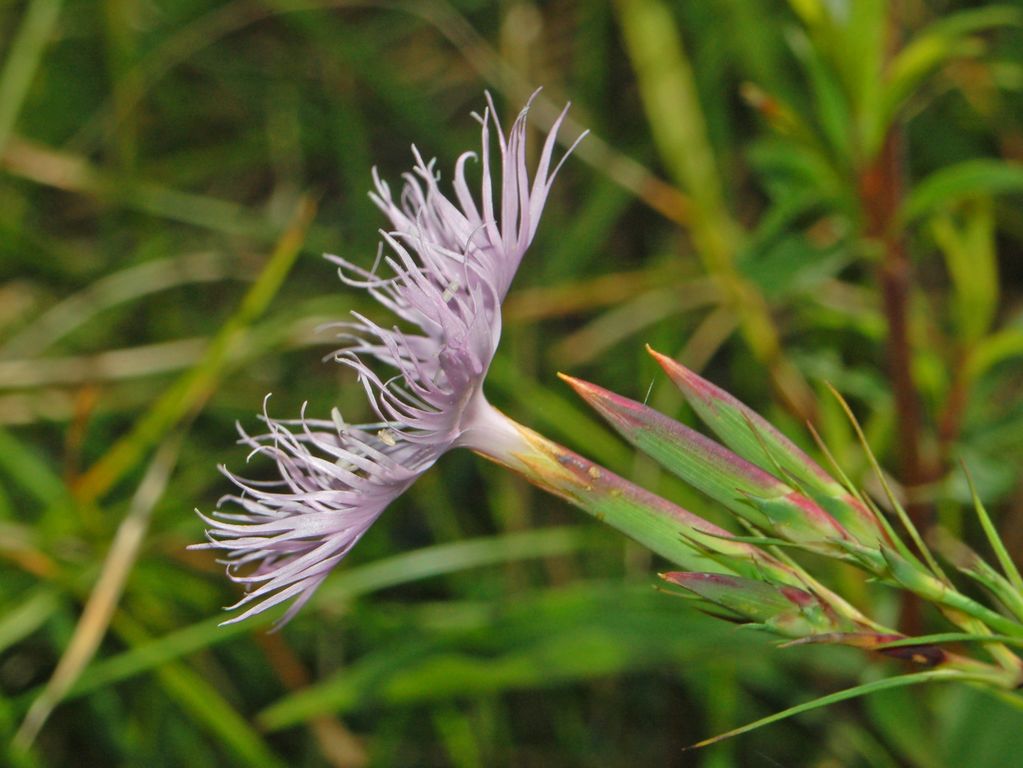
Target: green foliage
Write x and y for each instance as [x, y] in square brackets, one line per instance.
[160, 273]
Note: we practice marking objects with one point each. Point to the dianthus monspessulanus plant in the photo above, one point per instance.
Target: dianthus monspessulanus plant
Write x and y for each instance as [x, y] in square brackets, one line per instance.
[444, 268]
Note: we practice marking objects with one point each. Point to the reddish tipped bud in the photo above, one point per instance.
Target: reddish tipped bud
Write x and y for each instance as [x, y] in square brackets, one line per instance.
[746, 489]
[751, 436]
[784, 610]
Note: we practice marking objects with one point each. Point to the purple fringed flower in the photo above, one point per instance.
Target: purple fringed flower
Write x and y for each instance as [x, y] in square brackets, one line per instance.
[449, 265]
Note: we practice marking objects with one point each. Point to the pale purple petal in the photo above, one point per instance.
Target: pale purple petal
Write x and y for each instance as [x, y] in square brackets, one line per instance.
[444, 267]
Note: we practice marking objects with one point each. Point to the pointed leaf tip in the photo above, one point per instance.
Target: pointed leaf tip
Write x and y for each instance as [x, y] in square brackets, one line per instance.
[625, 415]
[682, 376]
[692, 456]
[584, 389]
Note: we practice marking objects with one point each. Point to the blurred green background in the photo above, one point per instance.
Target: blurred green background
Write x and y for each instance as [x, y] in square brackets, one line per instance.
[782, 194]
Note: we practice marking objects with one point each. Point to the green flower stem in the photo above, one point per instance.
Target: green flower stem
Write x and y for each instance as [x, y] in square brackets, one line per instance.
[935, 591]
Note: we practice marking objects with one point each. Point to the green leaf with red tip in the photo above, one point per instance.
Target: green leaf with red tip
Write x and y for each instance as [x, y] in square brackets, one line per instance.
[696, 459]
[744, 430]
[749, 491]
[755, 439]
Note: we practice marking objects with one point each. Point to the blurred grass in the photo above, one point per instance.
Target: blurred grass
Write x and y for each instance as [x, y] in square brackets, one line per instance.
[160, 273]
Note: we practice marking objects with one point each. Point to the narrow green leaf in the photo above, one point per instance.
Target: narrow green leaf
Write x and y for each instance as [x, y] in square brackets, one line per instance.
[861, 52]
[945, 39]
[940, 638]
[964, 180]
[24, 618]
[1004, 558]
[340, 587]
[195, 385]
[972, 262]
[903, 516]
[940, 592]
[936, 675]
[971, 564]
[831, 103]
[23, 57]
[31, 471]
[1001, 346]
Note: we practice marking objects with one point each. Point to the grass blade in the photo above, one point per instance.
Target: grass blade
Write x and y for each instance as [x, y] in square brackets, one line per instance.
[1004, 558]
[102, 602]
[195, 386]
[888, 683]
[23, 60]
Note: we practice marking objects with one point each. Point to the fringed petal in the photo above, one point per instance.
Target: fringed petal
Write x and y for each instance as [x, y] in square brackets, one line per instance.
[447, 266]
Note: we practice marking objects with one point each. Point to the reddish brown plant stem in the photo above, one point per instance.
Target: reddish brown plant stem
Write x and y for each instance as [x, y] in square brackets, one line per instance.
[881, 195]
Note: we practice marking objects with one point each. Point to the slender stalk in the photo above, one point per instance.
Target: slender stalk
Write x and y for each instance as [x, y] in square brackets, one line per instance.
[881, 191]
[663, 527]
